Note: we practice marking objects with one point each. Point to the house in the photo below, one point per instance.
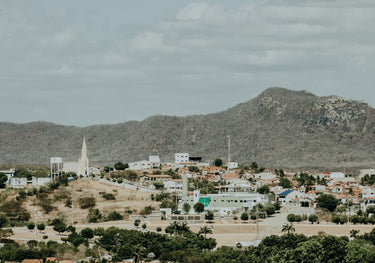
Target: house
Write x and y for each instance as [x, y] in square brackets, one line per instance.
[265, 175]
[156, 177]
[18, 181]
[336, 176]
[237, 185]
[181, 158]
[295, 198]
[154, 161]
[140, 165]
[232, 165]
[173, 185]
[37, 181]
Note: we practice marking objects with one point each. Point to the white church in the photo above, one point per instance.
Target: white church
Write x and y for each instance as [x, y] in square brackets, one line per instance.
[82, 166]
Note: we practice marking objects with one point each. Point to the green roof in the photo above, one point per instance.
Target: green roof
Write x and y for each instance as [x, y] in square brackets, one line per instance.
[205, 200]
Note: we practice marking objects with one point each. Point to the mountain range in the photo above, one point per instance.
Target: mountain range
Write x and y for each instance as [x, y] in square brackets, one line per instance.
[278, 128]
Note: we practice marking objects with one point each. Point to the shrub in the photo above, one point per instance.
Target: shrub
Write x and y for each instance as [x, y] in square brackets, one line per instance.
[30, 226]
[313, 218]
[87, 202]
[158, 229]
[94, 216]
[244, 216]
[146, 210]
[114, 216]
[291, 218]
[108, 196]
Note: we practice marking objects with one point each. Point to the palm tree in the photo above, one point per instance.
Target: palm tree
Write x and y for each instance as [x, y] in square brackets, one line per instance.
[289, 228]
[138, 252]
[205, 230]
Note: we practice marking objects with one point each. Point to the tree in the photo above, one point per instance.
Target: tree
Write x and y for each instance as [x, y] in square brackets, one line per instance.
[205, 230]
[244, 216]
[289, 228]
[313, 218]
[3, 180]
[3, 220]
[61, 227]
[136, 222]
[31, 226]
[87, 233]
[254, 166]
[121, 166]
[114, 216]
[218, 162]
[270, 209]
[209, 215]
[264, 189]
[193, 169]
[198, 207]
[186, 207]
[327, 201]
[144, 226]
[41, 226]
[285, 183]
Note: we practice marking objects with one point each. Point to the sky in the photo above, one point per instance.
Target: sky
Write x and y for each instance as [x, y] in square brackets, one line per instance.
[95, 62]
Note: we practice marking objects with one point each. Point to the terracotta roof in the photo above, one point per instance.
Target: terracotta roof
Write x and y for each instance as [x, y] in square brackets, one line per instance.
[32, 261]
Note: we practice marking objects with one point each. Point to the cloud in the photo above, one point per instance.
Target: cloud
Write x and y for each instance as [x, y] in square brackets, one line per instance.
[212, 53]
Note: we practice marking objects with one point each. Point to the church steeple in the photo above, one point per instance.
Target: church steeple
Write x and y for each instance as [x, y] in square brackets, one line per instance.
[83, 162]
[84, 148]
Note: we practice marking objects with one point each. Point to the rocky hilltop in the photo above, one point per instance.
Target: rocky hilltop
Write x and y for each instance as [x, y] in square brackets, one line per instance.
[279, 128]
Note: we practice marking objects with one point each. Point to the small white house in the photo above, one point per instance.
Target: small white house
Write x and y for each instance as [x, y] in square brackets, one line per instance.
[154, 161]
[265, 176]
[18, 181]
[38, 181]
[336, 175]
[141, 165]
[232, 165]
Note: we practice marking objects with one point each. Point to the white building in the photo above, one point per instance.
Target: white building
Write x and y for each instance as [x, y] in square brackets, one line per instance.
[41, 180]
[140, 165]
[18, 181]
[82, 166]
[265, 176]
[232, 165]
[173, 186]
[336, 175]
[154, 161]
[181, 158]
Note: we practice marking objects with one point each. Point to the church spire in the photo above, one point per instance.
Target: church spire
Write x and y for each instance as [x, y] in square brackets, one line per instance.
[84, 148]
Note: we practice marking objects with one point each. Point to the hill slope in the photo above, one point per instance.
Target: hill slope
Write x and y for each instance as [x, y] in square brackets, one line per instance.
[280, 127]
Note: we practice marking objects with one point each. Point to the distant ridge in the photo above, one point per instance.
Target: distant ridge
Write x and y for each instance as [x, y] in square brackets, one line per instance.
[278, 128]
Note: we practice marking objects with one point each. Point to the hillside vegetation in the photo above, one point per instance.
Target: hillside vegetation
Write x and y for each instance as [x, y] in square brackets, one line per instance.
[279, 128]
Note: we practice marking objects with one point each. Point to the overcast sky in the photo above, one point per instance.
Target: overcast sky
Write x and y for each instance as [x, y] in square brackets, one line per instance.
[89, 62]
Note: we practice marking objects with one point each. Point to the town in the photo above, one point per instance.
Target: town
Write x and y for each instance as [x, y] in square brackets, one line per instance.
[236, 204]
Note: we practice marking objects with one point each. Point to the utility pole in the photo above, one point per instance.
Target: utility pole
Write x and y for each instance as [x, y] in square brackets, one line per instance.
[257, 238]
[228, 152]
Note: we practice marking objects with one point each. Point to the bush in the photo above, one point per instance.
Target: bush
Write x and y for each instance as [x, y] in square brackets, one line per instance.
[114, 216]
[158, 229]
[313, 218]
[136, 222]
[291, 218]
[109, 196]
[146, 210]
[87, 202]
[30, 226]
[244, 216]
[94, 216]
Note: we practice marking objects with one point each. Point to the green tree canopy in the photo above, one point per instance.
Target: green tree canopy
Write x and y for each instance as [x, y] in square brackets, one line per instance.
[327, 201]
[198, 207]
[218, 162]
